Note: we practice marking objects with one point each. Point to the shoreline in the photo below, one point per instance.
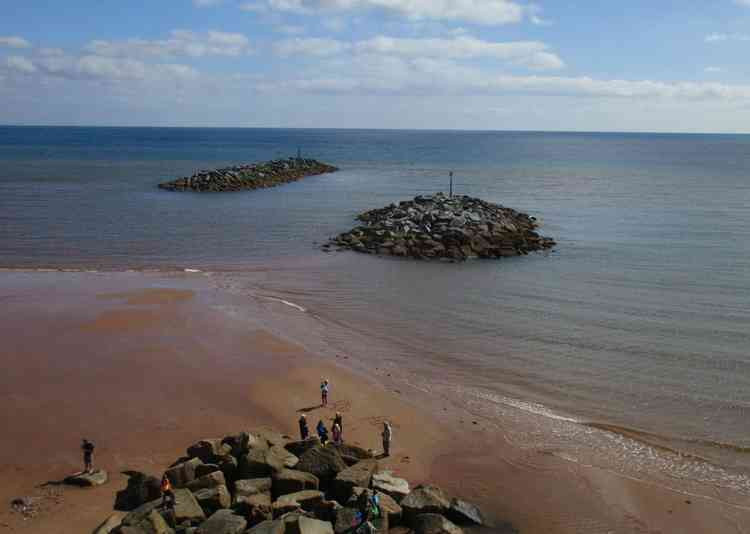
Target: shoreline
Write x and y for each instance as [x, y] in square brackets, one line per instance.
[162, 337]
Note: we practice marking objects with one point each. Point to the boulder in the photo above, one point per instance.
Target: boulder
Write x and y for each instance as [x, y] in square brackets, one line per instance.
[183, 473]
[112, 522]
[288, 459]
[204, 469]
[253, 486]
[289, 481]
[391, 508]
[298, 448]
[239, 444]
[151, 523]
[87, 480]
[308, 525]
[223, 522]
[208, 450]
[308, 500]
[434, 524]
[424, 500]
[186, 508]
[259, 464]
[346, 520]
[359, 474]
[385, 482]
[323, 462]
[211, 480]
[268, 527]
[213, 499]
[351, 453]
[291, 521]
[464, 513]
[229, 466]
[255, 508]
[273, 438]
[141, 488]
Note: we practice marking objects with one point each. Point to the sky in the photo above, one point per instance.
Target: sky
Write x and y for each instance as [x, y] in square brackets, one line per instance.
[638, 65]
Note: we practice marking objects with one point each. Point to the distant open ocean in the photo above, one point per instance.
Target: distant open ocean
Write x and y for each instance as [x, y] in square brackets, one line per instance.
[631, 337]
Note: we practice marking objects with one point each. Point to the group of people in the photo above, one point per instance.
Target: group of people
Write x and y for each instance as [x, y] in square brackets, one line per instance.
[337, 430]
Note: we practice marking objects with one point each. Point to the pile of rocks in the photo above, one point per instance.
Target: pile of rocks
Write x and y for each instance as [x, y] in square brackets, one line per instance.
[266, 483]
[438, 226]
[242, 177]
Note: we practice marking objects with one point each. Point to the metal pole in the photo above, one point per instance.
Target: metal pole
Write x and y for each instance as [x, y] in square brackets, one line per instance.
[451, 185]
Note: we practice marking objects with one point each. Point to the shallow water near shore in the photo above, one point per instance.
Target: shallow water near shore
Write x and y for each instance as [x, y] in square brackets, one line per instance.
[628, 341]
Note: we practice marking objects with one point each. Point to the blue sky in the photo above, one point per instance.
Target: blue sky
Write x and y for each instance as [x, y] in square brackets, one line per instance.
[467, 64]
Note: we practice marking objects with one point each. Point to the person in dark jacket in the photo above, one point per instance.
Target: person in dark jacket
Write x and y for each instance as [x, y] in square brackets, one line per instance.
[88, 455]
[322, 432]
[304, 432]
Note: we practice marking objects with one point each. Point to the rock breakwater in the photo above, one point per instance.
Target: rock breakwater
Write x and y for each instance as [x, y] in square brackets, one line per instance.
[266, 483]
[441, 227]
[255, 176]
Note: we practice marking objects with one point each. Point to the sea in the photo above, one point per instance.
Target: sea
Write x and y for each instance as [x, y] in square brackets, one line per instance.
[627, 346]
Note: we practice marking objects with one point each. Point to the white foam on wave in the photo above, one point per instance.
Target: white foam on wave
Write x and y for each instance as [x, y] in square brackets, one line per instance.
[530, 407]
[192, 270]
[287, 303]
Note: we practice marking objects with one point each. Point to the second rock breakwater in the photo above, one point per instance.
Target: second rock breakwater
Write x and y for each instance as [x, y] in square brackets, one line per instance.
[441, 227]
[255, 176]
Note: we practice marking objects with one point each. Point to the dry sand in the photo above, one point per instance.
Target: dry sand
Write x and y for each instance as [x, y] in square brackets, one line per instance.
[146, 371]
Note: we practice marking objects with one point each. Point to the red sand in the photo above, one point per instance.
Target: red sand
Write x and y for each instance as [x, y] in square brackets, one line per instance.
[145, 373]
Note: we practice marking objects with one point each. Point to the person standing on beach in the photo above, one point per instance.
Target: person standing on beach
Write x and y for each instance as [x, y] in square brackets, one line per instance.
[338, 420]
[324, 387]
[303, 430]
[387, 435]
[88, 455]
[336, 434]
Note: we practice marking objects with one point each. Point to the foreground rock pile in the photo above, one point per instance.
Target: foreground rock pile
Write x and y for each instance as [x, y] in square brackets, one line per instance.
[437, 226]
[254, 176]
[266, 483]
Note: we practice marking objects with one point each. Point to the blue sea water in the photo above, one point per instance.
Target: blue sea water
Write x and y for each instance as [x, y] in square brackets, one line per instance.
[638, 319]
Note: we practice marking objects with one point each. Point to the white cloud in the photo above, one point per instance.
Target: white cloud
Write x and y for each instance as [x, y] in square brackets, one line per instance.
[721, 37]
[742, 2]
[290, 29]
[531, 54]
[713, 70]
[311, 46]
[20, 64]
[180, 43]
[484, 12]
[14, 42]
[334, 24]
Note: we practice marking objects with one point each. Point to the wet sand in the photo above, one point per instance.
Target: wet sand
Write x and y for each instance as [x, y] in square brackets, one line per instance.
[144, 365]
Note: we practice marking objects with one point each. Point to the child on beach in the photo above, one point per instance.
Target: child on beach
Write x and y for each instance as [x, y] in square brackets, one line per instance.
[88, 453]
[336, 434]
[338, 420]
[167, 495]
[322, 432]
[324, 387]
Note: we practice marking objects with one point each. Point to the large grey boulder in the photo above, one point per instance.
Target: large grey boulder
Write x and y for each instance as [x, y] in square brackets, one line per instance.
[288, 459]
[308, 525]
[268, 527]
[298, 448]
[424, 500]
[229, 466]
[357, 475]
[205, 469]
[213, 499]
[152, 523]
[87, 480]
[183, 473]
[211, 480]
[238, 444]
[434, 524]
[323, 462]
[259, 464]
[209, 450]
[186, 510]
[289, 481]
[141, 488]
[223, 522]
[307, 500]
[464, 513]
[110, 523]
[346, 520]
[255, 508]
[391, 508]
[253, 486]
[273, 438]
[385, 482]
[351, 453]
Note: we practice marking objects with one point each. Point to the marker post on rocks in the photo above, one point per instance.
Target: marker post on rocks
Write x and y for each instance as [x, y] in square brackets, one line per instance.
[450, 192]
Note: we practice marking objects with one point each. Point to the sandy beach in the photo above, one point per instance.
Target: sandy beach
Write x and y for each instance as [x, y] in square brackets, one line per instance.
[143, 366]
